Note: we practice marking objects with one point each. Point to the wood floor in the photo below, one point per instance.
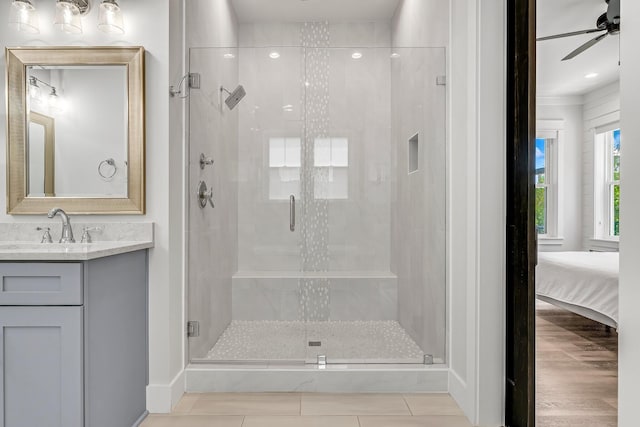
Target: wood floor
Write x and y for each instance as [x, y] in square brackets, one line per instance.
[577, 370]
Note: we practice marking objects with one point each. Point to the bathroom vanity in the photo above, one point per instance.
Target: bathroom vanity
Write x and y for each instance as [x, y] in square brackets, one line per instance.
[73, 347]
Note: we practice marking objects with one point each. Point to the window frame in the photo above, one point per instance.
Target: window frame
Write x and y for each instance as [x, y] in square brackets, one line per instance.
[603, 182]
[552, 131]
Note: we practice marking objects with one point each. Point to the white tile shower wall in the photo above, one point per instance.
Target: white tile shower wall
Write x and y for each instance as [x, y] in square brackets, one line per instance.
[419, 199]
[351, 298]
[213, 131]
[359, 109]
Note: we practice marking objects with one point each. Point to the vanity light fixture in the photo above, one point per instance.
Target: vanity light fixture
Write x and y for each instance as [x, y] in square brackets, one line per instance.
[68, 15]
[34, 90]
[55, 103]
[24, 17]
[110, 17]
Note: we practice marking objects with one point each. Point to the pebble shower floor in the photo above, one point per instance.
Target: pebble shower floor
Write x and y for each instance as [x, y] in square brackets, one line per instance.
[340, 341]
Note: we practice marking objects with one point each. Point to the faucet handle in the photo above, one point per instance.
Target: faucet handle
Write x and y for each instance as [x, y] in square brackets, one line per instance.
[86, 237]
[46, 236]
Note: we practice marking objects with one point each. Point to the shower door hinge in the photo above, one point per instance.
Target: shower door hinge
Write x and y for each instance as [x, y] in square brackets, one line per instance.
[193, 328]
[194, 80]
[441, 80]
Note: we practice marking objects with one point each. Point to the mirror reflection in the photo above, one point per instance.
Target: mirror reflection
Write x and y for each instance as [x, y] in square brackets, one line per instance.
[77, 133]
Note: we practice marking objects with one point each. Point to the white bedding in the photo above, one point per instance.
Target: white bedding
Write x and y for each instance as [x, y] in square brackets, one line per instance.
[582, 279]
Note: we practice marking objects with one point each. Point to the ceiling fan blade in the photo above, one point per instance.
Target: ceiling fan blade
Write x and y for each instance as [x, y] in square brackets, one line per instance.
[574, 33]
[613, 11]
[585, 46]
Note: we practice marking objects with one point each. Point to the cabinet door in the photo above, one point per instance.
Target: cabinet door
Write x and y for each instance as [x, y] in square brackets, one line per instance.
[41, 366]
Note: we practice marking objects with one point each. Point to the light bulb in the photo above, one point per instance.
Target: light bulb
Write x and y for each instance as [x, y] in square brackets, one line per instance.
[23, 17]
[68, 17]
[56, 104]
[110, 17]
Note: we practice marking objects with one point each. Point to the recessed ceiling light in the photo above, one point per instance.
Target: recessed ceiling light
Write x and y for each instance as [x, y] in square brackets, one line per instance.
[228, 56]
[591, 75]
[274, 55]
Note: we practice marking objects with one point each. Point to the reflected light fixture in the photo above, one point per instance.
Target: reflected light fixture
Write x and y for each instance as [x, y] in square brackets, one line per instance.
[110, 17]
[395, 55]
[34, 90]
[23, 17]
[228, 56]
[274, 55]
[55, 103]
[356, 55]
[68, 15]
[591, 75]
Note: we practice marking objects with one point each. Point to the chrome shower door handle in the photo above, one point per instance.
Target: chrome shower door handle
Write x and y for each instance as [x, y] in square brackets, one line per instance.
[292, 213]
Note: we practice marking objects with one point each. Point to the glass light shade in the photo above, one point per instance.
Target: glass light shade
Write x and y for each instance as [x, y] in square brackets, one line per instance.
[23, 17]
[56, 105]
[110, 18]
[34, 91]
[68, 17]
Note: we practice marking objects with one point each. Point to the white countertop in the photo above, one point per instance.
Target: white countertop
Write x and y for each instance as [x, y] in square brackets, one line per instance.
[110, 239]
[29, 251]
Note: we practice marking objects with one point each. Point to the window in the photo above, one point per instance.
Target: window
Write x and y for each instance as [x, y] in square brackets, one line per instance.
[546, 188]
[607, 182]
[331, 161]
[284, 168]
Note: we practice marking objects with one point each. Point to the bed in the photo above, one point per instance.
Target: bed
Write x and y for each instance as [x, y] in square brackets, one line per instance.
[585, 283]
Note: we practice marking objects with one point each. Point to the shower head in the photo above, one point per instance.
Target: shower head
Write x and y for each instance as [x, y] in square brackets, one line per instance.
[234, 97]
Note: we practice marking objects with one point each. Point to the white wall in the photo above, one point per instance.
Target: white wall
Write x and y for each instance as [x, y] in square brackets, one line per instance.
[476, 229]
[601, 107]
[629, 323]
[147, 24]
[568, 113]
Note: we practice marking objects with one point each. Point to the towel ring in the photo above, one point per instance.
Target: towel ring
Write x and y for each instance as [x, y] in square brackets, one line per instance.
[111, 163]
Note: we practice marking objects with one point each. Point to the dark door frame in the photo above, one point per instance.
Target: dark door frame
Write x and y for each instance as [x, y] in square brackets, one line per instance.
[521, 251]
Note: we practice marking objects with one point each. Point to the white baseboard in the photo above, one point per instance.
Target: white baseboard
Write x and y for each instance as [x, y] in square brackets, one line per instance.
[161, 398]
[458, 389]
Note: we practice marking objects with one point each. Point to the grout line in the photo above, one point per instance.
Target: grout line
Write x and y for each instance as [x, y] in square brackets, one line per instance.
[407, 405]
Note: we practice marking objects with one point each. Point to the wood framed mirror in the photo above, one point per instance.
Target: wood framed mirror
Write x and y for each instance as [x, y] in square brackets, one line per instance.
[78, 111]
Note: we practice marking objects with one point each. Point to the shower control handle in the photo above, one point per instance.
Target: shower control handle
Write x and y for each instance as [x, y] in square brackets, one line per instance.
[204, 196]
[292, 213]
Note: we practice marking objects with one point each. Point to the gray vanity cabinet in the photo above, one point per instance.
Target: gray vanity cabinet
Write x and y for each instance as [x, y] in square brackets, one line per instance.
[73, 346]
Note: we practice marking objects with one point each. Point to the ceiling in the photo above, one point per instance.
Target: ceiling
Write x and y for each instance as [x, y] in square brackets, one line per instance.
[563, 78]
[314, 10]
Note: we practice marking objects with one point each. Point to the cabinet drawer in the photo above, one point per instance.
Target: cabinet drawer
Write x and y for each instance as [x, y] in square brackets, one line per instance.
[28, 283]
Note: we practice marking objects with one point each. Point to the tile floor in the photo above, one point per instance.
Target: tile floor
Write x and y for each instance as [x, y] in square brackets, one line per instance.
[312, 410]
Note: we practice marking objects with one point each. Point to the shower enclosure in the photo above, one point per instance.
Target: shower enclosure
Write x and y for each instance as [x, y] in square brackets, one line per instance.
[325, 239]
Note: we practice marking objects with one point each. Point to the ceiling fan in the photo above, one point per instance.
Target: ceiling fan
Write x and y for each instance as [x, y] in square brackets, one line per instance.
[609, 22]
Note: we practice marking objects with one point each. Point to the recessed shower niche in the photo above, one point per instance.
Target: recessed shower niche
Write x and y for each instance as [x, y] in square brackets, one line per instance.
[351, 269]
[414, 153]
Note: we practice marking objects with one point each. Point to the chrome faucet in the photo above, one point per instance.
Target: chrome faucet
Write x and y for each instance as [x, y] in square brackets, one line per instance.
[67, 232]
